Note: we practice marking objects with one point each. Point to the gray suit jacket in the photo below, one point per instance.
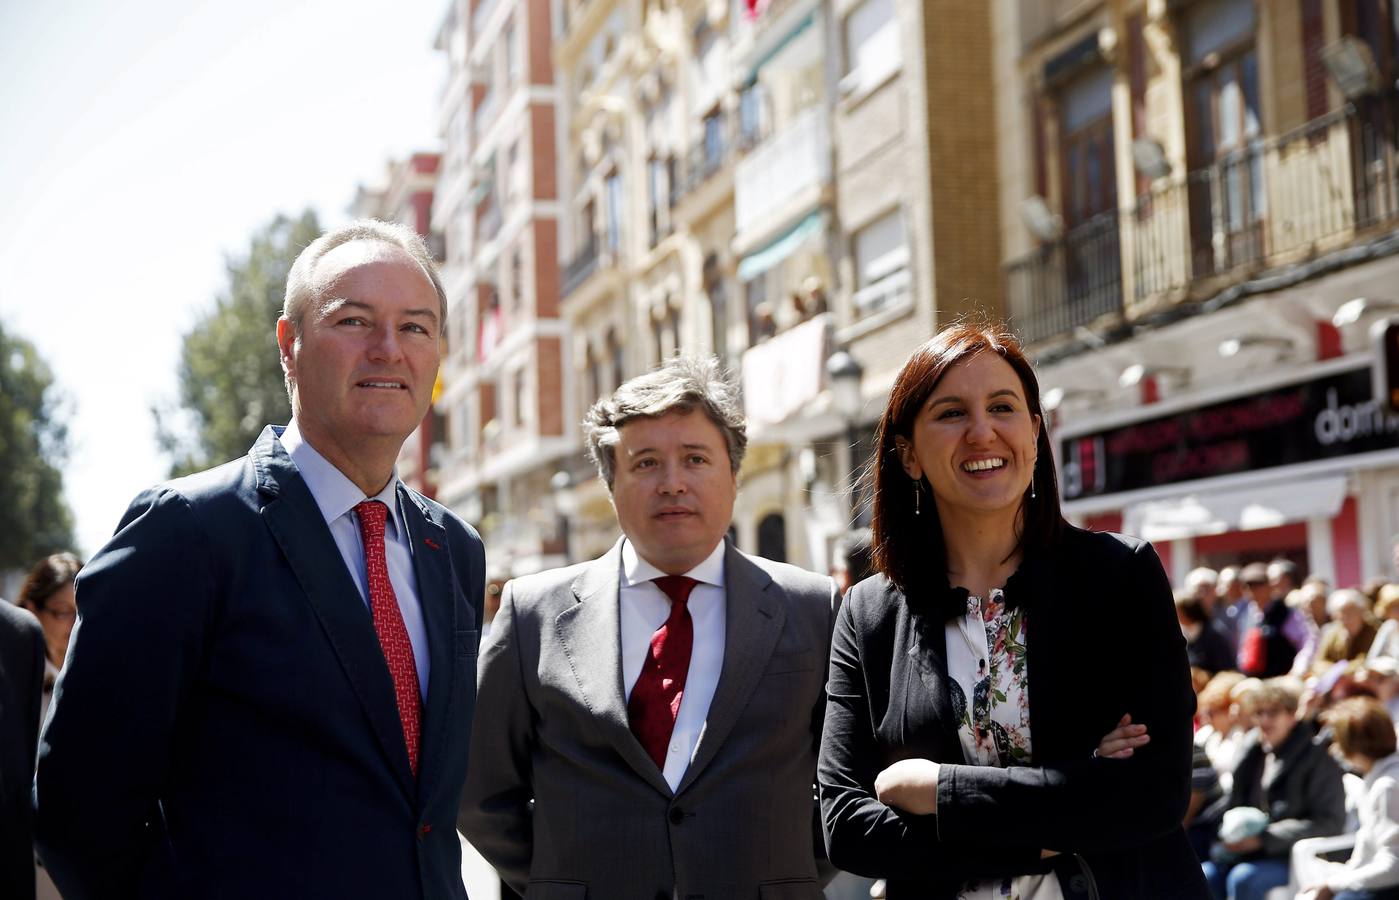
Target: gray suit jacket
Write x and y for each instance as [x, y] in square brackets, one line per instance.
[552, 729]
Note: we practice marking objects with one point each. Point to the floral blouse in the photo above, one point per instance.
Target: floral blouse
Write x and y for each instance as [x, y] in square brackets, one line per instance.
[989, 684]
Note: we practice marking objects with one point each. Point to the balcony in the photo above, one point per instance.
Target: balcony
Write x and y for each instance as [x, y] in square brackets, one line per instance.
[1276, 202]
[708, 155]
[1067, 283]
[795, 159]
[1272, 204]
[583, 264]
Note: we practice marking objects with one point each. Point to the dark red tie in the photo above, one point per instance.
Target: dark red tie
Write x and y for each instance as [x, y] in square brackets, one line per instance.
[655, 698]
[388, 625]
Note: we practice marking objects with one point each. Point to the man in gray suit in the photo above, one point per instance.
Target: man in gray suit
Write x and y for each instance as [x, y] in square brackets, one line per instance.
[648, 721]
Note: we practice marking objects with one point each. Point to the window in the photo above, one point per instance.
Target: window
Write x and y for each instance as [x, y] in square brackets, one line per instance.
[614, 353]
[717, 292]
[513, 58]
[517, 384]
[761, 324]
[656, 193]
[881, 264]
[750, 115]
[1090, 180]
[872, 49]
[613, 186]
[1224, 135]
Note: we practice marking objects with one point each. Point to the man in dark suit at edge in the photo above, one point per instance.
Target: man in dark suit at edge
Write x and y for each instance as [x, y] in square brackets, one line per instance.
[271, 682]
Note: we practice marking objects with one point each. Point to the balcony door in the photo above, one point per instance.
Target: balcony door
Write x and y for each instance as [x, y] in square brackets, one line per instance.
[1092, 260]
[1225, 185]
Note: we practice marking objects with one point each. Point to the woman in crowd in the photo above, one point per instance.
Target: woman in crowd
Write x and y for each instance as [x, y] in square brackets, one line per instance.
[974, 677]
[1289, 781]
[1387, 612]
[48, 594]
[1363, 736]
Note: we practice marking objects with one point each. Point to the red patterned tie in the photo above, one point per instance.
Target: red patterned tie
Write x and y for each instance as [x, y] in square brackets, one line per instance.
[655, 698]
[388, 624]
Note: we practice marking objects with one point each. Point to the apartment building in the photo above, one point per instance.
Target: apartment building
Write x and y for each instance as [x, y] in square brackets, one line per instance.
[509, 419]
[1199, 224]
[708, 147]
[406, 196]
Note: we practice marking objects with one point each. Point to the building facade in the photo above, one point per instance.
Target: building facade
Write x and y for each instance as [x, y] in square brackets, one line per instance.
[1199, 224]
[767, 184]
[508, 417]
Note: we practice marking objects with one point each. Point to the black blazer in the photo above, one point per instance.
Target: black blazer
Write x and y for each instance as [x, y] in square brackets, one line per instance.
[1102, 640]
[21, 689]
[225, 726]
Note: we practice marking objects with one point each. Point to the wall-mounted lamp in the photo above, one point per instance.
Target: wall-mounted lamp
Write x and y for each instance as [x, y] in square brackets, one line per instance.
[1043, 223]
[1231, 347]
[1149, 158]
[1350, 65]
[1135, 374]
[1353, 311]
[1056, 397]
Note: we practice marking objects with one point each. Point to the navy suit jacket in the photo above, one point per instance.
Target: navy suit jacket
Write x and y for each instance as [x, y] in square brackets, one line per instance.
[226, 724]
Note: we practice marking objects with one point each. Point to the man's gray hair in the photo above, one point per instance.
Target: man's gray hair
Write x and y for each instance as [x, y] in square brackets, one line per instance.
[682, 384]
[301, 287]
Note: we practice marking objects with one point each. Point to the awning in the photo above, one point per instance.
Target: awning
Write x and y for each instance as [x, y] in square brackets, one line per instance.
[758, 262]
[1244, 509]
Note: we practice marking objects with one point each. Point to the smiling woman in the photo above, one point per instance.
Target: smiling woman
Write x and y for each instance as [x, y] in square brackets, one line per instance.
[937, 771]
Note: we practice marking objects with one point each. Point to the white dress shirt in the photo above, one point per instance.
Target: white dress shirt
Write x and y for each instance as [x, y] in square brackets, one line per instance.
[645, 608]
[337, 496]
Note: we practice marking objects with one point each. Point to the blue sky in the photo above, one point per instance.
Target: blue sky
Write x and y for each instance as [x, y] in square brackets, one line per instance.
[141, 143]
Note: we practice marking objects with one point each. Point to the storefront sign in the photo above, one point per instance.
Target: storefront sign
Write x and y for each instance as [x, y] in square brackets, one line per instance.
[1333, 416]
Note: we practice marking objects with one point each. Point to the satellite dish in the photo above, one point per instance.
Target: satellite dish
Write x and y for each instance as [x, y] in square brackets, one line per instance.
[1149, 159]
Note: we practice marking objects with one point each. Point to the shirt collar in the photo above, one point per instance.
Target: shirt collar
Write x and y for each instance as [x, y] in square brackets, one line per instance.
[334, 493]
[636, 570]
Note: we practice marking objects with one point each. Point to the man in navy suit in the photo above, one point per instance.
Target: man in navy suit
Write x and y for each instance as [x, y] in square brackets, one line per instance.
[270, 686]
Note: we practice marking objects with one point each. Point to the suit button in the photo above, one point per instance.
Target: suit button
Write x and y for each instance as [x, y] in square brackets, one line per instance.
[677, 815]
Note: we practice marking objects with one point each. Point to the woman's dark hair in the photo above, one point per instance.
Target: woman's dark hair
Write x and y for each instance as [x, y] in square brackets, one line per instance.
[909, 549]
[48, 575]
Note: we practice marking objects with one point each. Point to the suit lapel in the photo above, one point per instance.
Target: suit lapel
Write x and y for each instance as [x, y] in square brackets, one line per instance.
[591, 634]
[433, 567]
[296, 523]
[754, 616]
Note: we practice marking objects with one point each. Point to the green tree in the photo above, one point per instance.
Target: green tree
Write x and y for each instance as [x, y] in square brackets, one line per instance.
[34, 518]
[230, 378]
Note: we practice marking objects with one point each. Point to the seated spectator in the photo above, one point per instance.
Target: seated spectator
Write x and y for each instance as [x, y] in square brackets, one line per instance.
[1205, 647]
[1387, 612]
[1289, 778]
[1221, 733]
[1363, 735]
[1308, 604]
[1351, 631]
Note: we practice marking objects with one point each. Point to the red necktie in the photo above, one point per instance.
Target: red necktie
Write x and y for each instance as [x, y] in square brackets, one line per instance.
[655, 698]
[388, 625]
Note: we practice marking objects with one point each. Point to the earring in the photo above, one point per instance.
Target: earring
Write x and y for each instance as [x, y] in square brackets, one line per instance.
[1034, 470]
[917, 493]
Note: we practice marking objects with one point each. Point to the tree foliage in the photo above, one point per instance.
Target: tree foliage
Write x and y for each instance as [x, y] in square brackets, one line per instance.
[34, 518]
[230, 379]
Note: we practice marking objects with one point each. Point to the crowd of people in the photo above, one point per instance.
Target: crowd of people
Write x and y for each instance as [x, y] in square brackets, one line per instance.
[1297, 694]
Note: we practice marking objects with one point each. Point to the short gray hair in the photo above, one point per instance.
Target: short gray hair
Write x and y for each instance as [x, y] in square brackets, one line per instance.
[682, 384]
[301, 288]
[300, 280]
